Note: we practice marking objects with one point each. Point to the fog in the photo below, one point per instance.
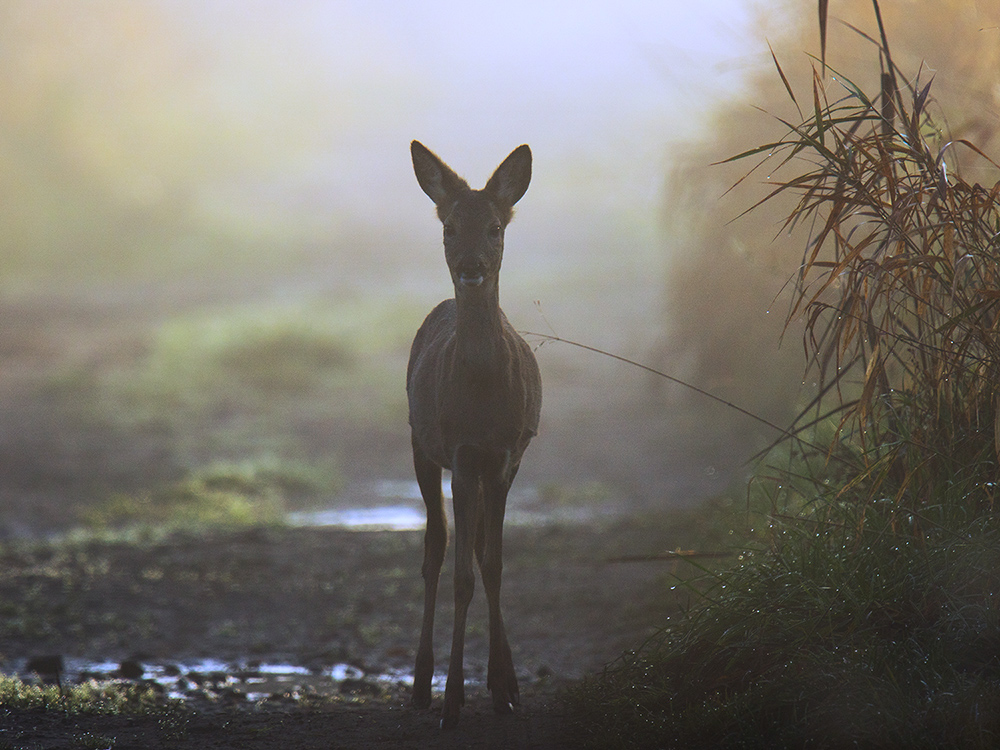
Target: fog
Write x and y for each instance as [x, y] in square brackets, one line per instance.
[214, 251]
[292, 120]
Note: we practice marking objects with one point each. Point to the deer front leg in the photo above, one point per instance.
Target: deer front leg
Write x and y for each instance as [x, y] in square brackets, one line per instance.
[435, 541]
[500, 677]
[467, 500]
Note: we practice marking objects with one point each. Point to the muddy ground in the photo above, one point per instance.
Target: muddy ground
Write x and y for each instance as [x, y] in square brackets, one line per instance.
[320, 598]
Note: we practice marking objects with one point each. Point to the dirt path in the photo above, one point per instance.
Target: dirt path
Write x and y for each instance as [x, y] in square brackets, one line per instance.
[539, 725]
[319, 598]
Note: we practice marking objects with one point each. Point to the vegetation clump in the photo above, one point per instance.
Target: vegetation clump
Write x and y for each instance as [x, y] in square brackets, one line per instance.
[831, 638]
[223, 494]
[86, 698]
[865, 612]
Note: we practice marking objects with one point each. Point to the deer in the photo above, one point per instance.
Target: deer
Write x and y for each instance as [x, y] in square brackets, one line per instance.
[475, 395]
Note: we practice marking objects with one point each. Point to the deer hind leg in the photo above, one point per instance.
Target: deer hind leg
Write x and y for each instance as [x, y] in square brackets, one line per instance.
[466, 489]
[500, 677]
[435, 541]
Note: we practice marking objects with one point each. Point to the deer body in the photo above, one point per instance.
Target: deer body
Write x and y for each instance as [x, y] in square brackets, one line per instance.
[474, 395]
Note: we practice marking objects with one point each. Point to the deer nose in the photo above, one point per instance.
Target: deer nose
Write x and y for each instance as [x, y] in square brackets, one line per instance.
[470, 273]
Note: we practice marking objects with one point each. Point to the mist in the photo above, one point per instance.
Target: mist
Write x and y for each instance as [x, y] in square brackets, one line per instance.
[215, 251]
[290, 123]
[214, 255]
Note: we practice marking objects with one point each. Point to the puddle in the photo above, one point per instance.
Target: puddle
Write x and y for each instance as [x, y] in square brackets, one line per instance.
[383, 518]
[212, 679]
[406, 489]
[399, 507]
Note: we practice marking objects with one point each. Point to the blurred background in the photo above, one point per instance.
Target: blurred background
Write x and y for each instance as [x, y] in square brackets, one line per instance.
[214, 254]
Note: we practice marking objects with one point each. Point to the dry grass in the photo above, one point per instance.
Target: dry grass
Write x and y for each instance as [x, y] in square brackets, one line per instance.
[899, 285]
[863, 614]
[722, 270]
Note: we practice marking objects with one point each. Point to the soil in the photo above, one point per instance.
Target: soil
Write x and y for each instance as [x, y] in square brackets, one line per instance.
[318, 598]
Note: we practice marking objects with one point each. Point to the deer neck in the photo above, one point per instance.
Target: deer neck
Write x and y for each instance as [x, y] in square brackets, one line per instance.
[479, 330]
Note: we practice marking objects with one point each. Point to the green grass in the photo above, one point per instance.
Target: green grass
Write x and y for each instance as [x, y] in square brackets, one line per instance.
[295, 482]
[221, 495]
[87, 698]
[240, 381]
[827, 637]
[187, 504]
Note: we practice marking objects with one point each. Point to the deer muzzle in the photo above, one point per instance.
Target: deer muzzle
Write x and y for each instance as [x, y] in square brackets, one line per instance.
[470, 279]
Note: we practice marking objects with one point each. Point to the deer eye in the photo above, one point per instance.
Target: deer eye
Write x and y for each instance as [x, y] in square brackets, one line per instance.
[494, 231]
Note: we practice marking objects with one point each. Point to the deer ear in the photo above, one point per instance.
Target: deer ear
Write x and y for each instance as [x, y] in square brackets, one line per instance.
[435, 177]
[511, 179]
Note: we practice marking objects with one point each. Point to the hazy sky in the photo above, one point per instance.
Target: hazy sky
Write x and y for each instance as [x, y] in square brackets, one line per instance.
[294, 116]
[599, 90]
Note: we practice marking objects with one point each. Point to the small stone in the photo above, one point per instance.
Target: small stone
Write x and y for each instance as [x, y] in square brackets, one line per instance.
[130, 669]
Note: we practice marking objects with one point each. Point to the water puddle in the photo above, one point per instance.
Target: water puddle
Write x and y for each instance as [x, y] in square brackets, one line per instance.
[398, 506]
[215, 680]
[383, 518]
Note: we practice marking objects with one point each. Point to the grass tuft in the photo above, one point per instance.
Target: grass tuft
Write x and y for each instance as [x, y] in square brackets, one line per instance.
[221, 495]
[826, 638]
[87, 698]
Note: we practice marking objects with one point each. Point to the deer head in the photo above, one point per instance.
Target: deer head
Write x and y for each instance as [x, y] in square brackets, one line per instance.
[474, 220]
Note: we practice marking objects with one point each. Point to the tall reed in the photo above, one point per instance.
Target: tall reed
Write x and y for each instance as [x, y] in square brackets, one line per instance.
[899, 285]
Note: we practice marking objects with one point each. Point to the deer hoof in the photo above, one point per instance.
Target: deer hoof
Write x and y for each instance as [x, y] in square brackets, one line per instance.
[505, 693]
[449, 719]
[420, 701]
